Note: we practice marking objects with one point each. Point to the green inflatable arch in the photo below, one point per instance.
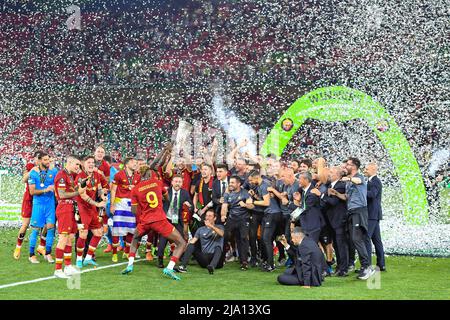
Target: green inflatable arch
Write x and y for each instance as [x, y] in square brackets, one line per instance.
[344, 104]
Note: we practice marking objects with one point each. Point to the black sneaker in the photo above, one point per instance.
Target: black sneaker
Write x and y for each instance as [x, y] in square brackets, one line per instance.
[160, 263]
[244, 267]
[181, 268]
[264, 265]
[342, 274]
[253, 262]
[383, 268]
[210, 269]
[269, 268]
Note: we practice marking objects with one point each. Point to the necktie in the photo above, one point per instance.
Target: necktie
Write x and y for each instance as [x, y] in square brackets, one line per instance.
[175, 203]
[223, 187]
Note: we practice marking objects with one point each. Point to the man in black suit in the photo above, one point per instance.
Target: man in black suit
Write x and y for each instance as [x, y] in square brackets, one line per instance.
[336, 211]
[309, 202]
[176, 214]
[219, 187]
[374, 189]
[309, 262]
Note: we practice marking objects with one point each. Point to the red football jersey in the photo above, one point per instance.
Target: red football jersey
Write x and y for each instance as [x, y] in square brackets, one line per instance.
[104, 167]
[27, 196]
[93, 184]
[123, 183]
[147, 196]
[66, 181]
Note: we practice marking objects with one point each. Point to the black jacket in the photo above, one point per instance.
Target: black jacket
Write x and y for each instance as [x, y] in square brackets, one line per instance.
[374, 190]
[335, 208]
[216, 194]
[184, 196]
[311, 218]
[309, 262]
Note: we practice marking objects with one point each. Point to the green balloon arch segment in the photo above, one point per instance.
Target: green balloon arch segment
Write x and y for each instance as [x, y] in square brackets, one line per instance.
[338, 104]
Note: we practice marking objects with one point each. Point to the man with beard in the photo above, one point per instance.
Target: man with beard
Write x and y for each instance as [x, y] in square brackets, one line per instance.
[356, 197]
[220, 185]
[124, 222]
[27, 204]
[210, 252]
[235, 216]
[336, 210]
[202, 197]
[183, 170]
[96, 186]
[176, 209]
[66, 191]
[270, 218]
[41, 184]
[284, 191]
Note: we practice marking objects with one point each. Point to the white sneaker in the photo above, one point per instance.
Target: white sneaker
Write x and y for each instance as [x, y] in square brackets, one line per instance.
[137, 256]
[33, 260]
[60, 274]
[49, 258]
[71, 270]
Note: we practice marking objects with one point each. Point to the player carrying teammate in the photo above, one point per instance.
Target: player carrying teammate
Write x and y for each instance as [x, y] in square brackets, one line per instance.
[87, 207]
[146, 201]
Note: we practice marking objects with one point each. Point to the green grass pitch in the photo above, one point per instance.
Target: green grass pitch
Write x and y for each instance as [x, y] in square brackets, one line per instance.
[406, 278]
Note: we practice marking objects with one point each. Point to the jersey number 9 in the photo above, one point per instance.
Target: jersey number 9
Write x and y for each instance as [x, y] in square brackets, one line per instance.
[152, 199]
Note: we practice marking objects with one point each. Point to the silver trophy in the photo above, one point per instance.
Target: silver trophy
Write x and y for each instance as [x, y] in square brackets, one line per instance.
[181, 138]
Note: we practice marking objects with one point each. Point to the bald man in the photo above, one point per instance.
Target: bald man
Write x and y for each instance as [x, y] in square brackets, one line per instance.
[374, 189]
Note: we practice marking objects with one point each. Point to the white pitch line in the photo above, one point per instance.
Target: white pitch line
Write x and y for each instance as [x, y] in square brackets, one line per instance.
[53, 277]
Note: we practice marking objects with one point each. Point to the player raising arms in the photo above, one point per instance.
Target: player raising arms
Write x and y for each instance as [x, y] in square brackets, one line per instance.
[66, 191]
[27, 203]
[87, 207]
[146, 201]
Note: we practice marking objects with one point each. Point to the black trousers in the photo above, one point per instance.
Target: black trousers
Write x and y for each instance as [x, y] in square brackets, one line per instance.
[289, 279]
[286, 222]
[269, 226]
[255, 221]
[340, 245]
[163, 241]
[358, 236]
[204, 259]
[239, 227]
[374, 236]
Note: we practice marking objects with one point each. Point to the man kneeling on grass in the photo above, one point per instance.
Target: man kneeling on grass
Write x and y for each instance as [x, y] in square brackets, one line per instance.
[309, 261]
[209, 253]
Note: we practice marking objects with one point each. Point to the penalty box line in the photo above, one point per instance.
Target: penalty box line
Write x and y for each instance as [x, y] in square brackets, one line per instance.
[54, 277]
